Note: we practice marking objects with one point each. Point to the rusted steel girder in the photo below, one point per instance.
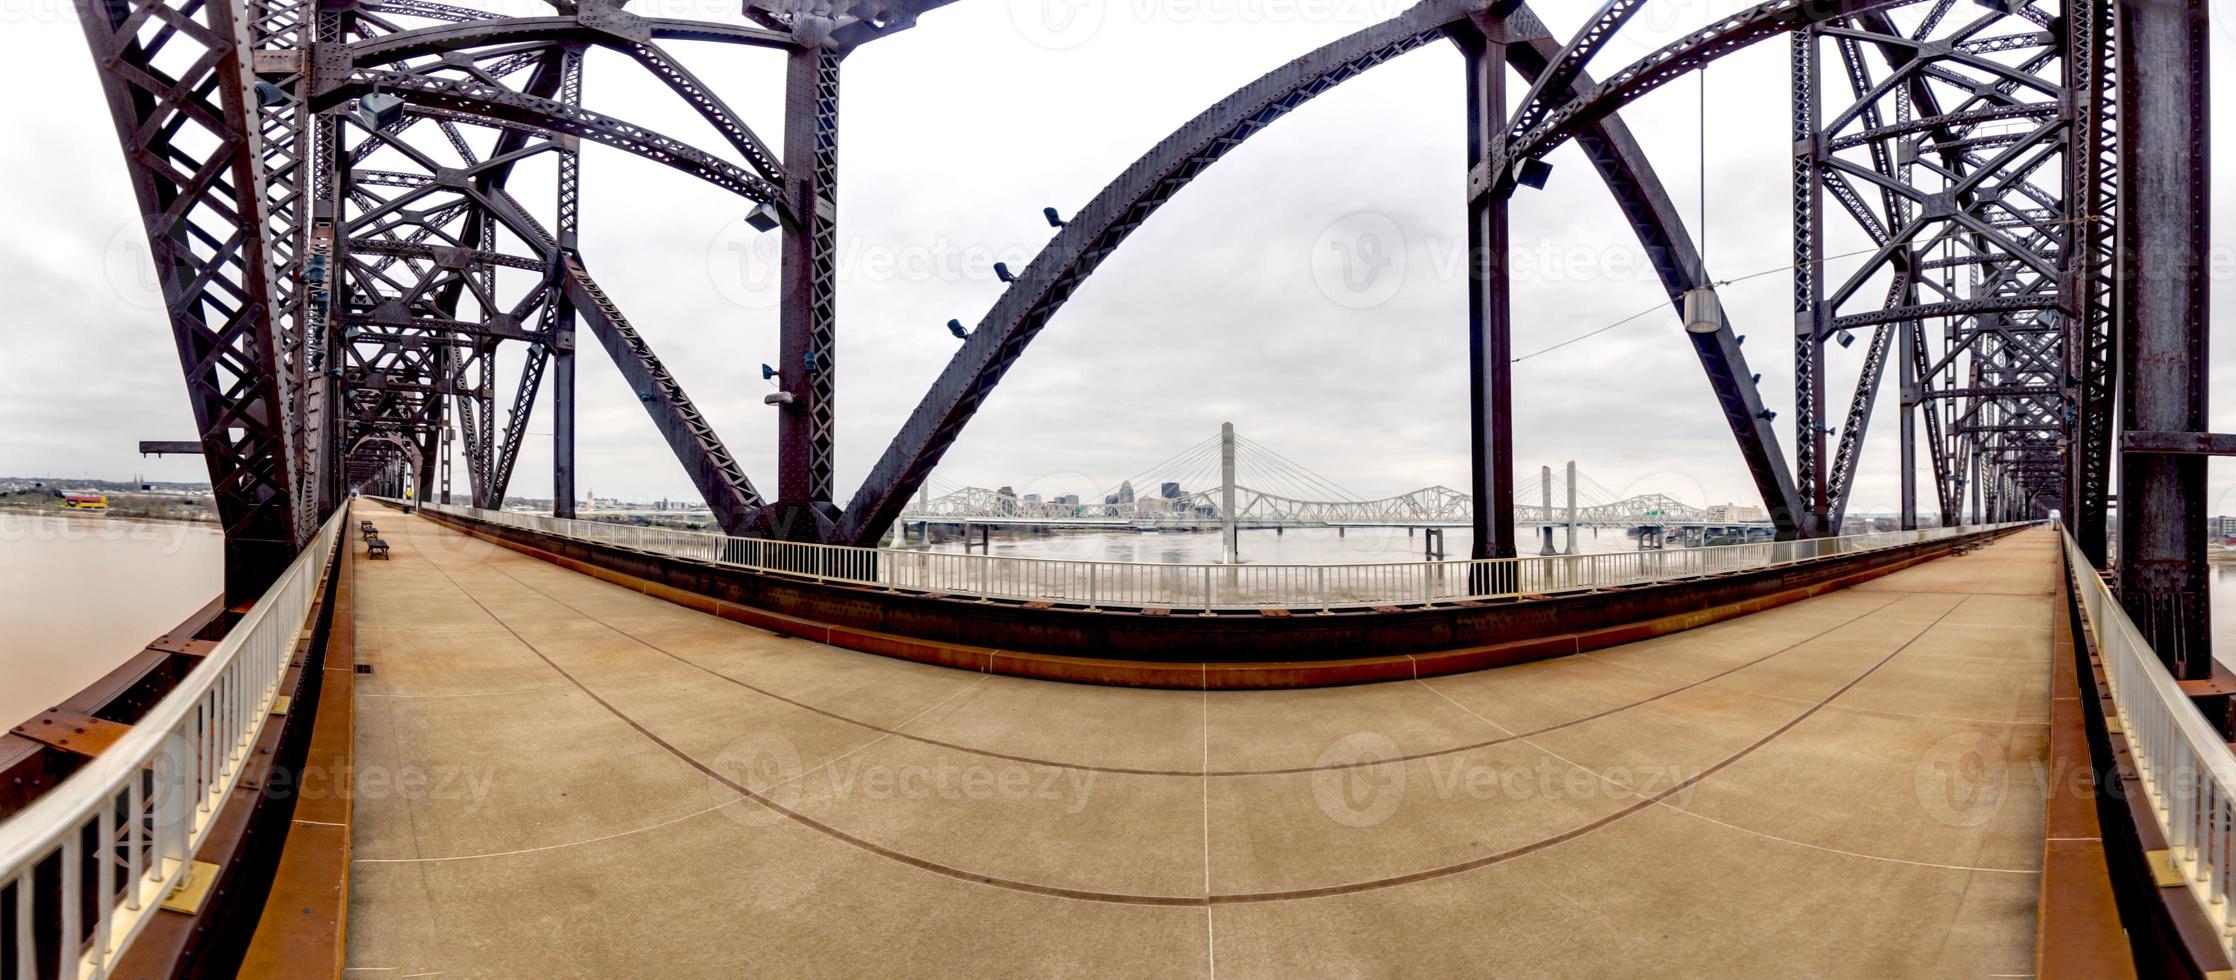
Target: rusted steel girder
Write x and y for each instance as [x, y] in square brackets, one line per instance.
[1080, 247]
[2166, 185]
[736, 504]
[807, 421]
[192, 149]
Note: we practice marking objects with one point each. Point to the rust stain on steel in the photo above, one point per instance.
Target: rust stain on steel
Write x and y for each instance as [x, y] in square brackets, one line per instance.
[73, 732]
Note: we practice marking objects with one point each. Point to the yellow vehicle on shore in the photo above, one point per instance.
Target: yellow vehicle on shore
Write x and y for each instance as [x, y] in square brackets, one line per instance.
[86, 501]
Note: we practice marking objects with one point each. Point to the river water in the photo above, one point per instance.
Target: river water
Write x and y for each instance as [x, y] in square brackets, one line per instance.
[78, 596]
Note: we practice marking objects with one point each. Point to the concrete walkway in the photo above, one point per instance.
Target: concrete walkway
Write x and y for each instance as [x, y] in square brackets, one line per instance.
[561, 777]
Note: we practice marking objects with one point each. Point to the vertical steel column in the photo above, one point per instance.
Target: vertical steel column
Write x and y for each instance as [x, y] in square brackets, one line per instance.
[446, 376]
[2093, 203]
[2166, 184]
[807, 428]
[1809, 312]
[328, 345]
[1545, 507]
[177, 92]
[1490, 342]
[1906, 394]
[1571, 508]
[1226, 495]
[562, 341]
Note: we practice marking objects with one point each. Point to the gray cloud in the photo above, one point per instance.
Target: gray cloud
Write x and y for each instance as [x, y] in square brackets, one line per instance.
[957, 133]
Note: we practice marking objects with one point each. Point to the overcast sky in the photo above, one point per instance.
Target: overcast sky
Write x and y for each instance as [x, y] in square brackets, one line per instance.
[1227, 306]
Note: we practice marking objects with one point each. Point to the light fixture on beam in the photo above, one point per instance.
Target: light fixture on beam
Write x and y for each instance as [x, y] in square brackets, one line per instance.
[1704, 312]
[269, 95]
[1001, 271]
[763, 218]
[380, 110]
[1847, 339]
[1767, 415]
[1054, 220]
[1533, 173]
[956, 327]
[767, 373]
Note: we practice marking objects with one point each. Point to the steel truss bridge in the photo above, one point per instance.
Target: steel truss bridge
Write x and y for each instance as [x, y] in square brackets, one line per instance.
[329, 192]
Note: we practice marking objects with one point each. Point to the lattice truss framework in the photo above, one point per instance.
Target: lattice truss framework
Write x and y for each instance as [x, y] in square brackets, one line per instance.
[1941, 134]
[330, 192]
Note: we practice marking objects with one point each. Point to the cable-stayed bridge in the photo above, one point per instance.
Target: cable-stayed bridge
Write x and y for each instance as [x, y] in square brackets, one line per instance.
[1192, 490]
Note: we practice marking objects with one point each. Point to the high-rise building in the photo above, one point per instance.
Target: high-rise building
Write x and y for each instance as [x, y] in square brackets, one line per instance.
[1125, 493]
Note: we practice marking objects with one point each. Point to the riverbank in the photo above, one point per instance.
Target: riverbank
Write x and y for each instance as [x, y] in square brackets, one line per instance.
[169, 507]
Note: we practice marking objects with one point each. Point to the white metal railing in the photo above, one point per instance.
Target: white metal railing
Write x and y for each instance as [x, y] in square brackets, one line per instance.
[1208, 587]
[2188, 772]
[85, 866]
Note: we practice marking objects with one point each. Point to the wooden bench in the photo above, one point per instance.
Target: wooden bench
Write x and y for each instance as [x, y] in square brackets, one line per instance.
[368, 530]
[376, 548]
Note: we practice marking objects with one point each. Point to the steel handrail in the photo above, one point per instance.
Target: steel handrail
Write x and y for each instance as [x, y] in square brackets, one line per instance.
[151, 798]
[2187, 769]
[1096, 584]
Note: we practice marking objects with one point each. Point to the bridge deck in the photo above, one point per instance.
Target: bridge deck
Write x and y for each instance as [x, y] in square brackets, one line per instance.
[553, 779]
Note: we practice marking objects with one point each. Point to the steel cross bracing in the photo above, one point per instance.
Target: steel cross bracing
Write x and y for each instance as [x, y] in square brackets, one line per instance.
[349, 271]
[1944, 144]
[172, 73]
